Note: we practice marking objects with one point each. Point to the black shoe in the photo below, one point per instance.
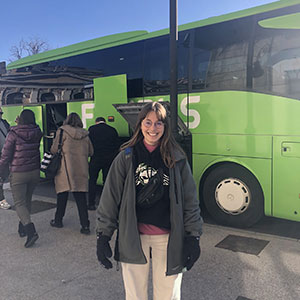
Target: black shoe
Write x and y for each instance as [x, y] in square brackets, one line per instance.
[85, 230]
[32, 236]
[91, 207]
[57, 224]
[21, 230]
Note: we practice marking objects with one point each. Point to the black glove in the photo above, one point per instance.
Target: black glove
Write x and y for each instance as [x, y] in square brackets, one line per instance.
[104, 251]
[191, 251]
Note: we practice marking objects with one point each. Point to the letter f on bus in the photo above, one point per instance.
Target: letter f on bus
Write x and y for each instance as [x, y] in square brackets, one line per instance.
[84, 114]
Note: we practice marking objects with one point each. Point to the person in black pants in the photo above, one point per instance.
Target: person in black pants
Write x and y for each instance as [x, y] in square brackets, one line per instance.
[72, 175]
[62, 199]
[105, 142]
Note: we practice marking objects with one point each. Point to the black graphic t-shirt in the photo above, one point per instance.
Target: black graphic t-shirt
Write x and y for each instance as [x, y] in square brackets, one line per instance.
[146, 165]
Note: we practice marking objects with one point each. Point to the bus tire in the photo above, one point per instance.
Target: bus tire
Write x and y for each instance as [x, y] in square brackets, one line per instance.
[233, 196]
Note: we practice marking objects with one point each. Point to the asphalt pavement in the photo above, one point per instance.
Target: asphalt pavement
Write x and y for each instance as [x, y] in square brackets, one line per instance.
[234, 264]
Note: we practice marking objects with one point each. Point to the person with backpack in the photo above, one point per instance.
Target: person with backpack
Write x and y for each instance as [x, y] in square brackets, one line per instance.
[150, 198]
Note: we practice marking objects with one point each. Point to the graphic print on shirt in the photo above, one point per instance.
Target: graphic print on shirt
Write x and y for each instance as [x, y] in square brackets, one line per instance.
[144, 172]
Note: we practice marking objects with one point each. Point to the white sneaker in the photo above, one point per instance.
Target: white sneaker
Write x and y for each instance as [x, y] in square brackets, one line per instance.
[4, 204]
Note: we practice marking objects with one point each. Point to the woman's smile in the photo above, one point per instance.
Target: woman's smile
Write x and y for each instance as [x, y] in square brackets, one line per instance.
[152, 129]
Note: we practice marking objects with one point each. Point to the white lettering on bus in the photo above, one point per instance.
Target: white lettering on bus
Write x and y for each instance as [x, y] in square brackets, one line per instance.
[190, 112]
[84, 114]
[150, 100]
[183, 107]
[145, 100]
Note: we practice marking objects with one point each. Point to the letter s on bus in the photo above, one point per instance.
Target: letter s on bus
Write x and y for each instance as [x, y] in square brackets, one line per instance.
[191, 112]
[84, 114]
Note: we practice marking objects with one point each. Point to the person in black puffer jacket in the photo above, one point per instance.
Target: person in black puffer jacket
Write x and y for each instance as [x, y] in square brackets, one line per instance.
[21, 152]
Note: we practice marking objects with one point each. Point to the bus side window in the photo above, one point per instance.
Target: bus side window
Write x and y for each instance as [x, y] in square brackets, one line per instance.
[220, 56]
[157, 71]
[276, 61]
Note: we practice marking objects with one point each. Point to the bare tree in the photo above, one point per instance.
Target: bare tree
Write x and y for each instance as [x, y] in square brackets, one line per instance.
[33, 46]
[16, 51]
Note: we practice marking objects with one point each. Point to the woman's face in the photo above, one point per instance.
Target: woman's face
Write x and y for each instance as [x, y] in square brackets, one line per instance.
[152, 129]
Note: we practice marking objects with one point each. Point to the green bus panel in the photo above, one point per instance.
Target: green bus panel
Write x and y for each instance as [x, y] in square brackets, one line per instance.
[239, 112]
[10, 113]
[108, 91]
[233, 145]
[286, 177]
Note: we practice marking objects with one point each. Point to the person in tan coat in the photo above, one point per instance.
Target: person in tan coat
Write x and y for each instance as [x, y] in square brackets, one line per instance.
[73, 173]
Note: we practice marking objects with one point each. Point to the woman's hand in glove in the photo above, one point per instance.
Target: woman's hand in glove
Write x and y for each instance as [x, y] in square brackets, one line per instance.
[104, 251]
[191, 251]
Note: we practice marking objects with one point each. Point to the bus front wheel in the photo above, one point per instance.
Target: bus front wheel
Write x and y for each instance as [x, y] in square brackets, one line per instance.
[233, 196]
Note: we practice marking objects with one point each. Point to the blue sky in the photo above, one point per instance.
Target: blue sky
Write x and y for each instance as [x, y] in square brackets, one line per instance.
[65, 22]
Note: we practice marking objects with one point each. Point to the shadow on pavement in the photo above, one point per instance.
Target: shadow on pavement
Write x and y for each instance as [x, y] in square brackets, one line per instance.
[267, 225]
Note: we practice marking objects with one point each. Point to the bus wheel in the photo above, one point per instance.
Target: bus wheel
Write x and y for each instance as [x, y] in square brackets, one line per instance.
[233, 196]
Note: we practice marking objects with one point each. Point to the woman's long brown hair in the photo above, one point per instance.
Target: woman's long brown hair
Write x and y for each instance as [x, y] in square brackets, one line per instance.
[73, 120]
[167, 141]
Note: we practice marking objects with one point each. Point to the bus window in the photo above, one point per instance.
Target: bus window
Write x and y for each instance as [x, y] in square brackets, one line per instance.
[124, 59]
[200, 64]
[157, 70]
[184, 59]
[276, 62]
[220, 56]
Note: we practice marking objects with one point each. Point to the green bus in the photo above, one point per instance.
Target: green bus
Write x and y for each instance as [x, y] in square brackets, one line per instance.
[238, 95]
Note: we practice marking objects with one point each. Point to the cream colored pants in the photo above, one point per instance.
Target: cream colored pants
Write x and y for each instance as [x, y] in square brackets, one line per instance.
[136, 276]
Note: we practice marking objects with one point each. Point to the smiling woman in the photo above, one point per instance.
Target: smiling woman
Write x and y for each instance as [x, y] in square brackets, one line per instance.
[152, 129]
[168, 220]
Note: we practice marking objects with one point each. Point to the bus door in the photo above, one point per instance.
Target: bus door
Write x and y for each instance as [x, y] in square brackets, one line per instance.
[55, 114]
[286, 177]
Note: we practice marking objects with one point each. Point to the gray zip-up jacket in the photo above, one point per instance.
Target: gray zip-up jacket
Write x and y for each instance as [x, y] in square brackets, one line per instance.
[117, 211]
